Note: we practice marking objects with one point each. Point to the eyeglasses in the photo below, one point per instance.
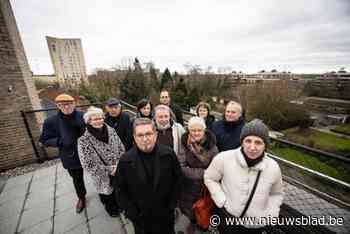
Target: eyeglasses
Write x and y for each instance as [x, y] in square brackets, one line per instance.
[146, 135]
[196, 130]
[97, 119]
[65, 104]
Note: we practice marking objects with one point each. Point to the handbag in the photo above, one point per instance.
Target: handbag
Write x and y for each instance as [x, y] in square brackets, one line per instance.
[203, 208]
[111, 177]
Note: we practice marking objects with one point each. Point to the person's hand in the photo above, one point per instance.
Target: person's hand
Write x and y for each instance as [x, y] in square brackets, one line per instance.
[114, 170]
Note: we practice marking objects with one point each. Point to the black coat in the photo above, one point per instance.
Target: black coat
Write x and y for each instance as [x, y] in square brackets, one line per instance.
[141, 199]
[123, 127]
[63, 133]
[178, 113]
[209, 121]
[227, 134]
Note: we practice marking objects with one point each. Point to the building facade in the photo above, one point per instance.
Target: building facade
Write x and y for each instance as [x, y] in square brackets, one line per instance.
[17, 94]
[68, 61]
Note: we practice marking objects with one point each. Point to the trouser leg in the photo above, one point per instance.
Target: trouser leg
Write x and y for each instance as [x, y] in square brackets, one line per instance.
[78, 181]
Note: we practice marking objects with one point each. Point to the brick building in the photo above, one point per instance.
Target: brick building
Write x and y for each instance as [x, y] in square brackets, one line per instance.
[17, 93]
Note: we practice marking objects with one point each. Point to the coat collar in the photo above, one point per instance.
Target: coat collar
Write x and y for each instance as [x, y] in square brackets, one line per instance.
[140, 171]
[241, 161]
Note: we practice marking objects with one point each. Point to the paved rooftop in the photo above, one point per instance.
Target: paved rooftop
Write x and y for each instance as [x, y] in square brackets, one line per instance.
[43, 202]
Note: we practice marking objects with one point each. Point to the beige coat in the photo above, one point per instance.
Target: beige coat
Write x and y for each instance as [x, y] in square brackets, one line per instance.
[230, 182]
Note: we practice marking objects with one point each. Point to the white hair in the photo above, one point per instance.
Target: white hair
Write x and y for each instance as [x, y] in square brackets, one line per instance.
[92, 111]
[161, 107]
[196, 121]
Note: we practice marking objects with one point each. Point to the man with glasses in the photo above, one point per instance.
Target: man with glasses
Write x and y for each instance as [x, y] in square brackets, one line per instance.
[148, 181]
[62, 131]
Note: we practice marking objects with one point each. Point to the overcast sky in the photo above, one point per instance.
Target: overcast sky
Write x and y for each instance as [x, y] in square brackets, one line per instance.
[248, 36]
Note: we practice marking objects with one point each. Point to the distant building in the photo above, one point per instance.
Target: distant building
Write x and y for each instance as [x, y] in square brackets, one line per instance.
[49, 79]
[330, 85]
[68, 60]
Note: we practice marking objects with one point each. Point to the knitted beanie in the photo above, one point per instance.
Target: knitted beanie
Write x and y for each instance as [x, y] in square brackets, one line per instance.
[256, 127]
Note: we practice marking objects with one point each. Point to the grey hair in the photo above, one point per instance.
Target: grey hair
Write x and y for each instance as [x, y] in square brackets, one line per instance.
[196, 120]
[161, 107]
[166, 108]
[143, 121]
[92, 111]
[237, 104]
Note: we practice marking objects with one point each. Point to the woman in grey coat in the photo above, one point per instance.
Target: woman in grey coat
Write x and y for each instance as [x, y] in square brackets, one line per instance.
[100, 149]
[198, 147]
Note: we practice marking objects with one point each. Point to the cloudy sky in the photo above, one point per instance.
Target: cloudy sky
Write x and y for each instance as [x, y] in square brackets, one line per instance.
[247, 35]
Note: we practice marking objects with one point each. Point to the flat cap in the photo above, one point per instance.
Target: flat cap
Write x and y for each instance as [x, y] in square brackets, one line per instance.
[113, 102]
[64, 98]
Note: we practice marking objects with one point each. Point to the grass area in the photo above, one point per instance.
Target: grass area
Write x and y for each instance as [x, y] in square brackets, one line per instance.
[319, 140]
[343, 128]
[329, 167]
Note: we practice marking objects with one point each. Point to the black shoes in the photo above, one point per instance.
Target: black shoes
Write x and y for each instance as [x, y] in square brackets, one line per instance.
[79, 207]
[113, 211]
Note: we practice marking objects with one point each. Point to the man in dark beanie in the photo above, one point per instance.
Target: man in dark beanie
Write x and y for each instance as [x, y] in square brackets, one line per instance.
[232, 176]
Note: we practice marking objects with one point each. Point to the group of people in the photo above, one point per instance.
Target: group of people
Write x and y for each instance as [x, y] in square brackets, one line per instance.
[149, 165]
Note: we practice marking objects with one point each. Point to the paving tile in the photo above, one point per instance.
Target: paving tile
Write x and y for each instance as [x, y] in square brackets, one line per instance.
[94, 207]
[80, 229]
[9, 225]
[11, 208]
[36, 215]
[64, 188]
[41, 228]
[39, 198]
[42, 184]
[43, 173]
[14, 193]
[65, 202]
[17, 181]
[104, 224]
[66, 220]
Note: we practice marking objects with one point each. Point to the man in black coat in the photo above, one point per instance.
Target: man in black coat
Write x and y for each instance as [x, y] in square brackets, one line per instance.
[62, 131]
[164, 98]
[120, 121]
[148, 182]
[228, 130]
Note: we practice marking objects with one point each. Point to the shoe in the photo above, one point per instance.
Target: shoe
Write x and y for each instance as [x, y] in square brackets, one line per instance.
[114, 212]
[80, 205]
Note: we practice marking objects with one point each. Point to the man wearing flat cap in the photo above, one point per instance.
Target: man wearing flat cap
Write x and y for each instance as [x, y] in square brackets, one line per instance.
[62, 131]
[120, 121]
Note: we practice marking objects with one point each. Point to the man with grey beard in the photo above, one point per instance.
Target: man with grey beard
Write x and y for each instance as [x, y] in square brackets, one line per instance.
[169, 132]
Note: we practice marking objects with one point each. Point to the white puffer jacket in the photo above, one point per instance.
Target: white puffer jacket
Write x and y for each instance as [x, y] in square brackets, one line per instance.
[230, 182]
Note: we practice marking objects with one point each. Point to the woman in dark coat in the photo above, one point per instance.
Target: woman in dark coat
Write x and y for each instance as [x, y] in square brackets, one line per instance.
[198, 147]
[203, 110]
[144, 109]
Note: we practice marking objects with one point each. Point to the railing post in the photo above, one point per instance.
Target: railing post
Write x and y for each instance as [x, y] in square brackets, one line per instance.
[26, 124]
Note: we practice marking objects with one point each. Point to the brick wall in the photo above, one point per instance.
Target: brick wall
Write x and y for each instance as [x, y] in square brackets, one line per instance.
[15, 145]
